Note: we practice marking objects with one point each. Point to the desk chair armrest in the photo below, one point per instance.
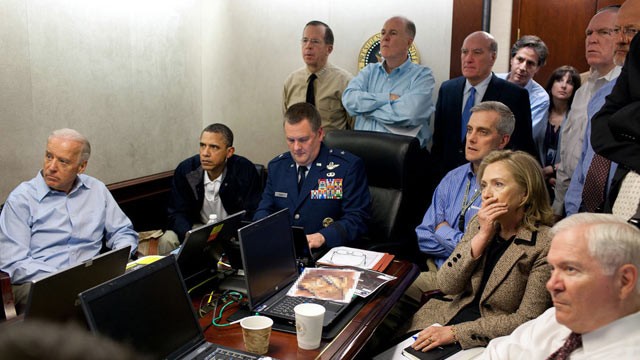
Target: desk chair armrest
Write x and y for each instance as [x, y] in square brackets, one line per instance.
[8, 304]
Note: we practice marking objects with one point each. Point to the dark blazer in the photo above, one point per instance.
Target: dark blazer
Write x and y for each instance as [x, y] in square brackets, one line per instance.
[615, 129]
[240, 190]
[515, 292]
[341, 218]
[447, 150]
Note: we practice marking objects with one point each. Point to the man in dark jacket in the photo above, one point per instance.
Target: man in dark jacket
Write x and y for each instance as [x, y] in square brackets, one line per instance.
[213, 182]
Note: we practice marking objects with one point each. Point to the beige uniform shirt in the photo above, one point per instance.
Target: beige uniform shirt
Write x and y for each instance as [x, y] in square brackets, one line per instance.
[328, 87]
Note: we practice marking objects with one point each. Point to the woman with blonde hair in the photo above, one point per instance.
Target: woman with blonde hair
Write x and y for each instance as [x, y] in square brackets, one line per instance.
[495, 278]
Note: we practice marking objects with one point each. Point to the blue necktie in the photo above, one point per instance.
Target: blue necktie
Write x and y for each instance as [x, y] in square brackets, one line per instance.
[466, 113]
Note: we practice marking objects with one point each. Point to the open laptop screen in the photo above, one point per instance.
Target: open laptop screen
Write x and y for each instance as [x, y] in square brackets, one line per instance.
[268, 255]
[55, 297]
[147, 308]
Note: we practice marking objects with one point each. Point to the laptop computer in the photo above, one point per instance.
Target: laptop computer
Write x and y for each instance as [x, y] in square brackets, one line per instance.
[55, 297]
[270, 266]
[202, 246]
[150, 310]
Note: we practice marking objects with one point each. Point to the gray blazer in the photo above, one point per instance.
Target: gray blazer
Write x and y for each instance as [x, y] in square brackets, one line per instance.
[514, 293]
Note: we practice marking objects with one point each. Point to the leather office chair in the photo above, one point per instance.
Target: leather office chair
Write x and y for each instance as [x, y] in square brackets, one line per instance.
[399, 183]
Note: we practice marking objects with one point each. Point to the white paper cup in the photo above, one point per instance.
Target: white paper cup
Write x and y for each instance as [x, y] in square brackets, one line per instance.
[309, 318]
[256, 331]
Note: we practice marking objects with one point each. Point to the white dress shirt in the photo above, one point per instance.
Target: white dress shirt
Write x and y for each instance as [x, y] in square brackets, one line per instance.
[540, 337]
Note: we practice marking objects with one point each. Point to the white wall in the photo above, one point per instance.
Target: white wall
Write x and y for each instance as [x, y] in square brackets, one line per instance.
[141, 78]
[124, 73]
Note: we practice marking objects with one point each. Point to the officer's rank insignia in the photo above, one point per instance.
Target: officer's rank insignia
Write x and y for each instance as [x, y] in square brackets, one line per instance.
[329, 189]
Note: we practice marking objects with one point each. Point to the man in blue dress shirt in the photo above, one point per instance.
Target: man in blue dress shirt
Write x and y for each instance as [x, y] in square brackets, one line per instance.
[528, 55]
[393, 96]
[324, 189]
[457, 198]
[59, 218]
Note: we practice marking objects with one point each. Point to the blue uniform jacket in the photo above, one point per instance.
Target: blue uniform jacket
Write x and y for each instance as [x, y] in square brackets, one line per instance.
[334, 199]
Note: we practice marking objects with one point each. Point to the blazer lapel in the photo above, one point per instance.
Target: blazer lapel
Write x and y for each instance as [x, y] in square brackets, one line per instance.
[508, 260]
[493, 89]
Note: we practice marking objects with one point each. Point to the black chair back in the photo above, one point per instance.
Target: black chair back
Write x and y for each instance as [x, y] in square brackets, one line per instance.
[397, 172]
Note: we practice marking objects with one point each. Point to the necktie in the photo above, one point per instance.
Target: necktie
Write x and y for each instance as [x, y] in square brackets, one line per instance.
[301, 175]
[595, 184]
[573, 342]
[466, 113]
[311, 97]
[626, 204]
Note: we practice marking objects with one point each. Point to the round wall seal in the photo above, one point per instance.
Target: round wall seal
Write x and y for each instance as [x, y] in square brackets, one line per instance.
[370, 52]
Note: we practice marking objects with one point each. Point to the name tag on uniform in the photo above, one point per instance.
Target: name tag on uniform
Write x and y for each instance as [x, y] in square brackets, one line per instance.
[328, 189]
[281, 194]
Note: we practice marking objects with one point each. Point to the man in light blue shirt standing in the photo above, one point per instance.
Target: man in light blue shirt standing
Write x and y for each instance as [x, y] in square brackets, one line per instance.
[393, 96]
[59, 218]
[528, 55]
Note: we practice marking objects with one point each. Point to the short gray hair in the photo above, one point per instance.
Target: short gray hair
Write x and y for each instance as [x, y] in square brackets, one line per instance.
[506, 122]
[74, 135]
[610, 239]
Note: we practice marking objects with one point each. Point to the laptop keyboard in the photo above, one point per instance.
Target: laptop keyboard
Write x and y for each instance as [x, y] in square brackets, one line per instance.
[284, 307]
[221, 353]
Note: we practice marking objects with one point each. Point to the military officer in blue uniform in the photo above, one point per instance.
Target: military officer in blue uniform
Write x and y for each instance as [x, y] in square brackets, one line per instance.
[333, 203]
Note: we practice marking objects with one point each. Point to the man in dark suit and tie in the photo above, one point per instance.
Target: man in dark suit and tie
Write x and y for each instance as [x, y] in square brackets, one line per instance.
[457, 96]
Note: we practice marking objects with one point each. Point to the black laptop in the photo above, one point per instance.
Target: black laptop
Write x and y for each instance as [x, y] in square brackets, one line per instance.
[55, 297]
[150, 310]
[270, 267]
[202, 246]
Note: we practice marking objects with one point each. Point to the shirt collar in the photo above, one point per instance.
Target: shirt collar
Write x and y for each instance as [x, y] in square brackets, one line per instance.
[400, 68]
[218, 179]
[42, 189]
[612, 74]
[609, 333]
[320, 72]
[481, 87]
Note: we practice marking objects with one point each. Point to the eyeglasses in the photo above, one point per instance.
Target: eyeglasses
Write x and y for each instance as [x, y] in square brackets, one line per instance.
[628, 31]
[348, 258]
[601, 32]
[314, 42]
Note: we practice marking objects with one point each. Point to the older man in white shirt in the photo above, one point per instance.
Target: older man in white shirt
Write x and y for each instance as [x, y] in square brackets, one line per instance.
[595, 292]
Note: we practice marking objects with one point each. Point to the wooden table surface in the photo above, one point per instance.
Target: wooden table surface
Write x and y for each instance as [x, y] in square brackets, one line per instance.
[347, 343]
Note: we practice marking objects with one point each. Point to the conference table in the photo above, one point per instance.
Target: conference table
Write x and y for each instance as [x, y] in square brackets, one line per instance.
[348, 342]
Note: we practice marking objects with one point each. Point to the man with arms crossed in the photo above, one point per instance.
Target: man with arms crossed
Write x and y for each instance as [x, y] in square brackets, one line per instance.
[393, 96]
[59, 218]
[596, 297]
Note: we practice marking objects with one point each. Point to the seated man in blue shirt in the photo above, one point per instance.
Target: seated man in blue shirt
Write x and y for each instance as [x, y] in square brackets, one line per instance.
[457, 198]
[213, 182]
[324, 189]
[394, 95]
[59, 218]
